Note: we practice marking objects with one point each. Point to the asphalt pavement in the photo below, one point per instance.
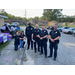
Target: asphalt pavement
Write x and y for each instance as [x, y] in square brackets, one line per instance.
[65, 56]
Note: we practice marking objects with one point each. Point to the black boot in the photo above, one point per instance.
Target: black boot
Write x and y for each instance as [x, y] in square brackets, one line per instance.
[45, 56]
[49, 56]
[40, 53]
[54, 59]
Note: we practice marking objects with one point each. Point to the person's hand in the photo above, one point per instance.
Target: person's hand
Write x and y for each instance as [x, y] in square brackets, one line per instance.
[32, 39]
[52, 40]
[5, 34]
[37, 35]
[41, 38]
[20, 38]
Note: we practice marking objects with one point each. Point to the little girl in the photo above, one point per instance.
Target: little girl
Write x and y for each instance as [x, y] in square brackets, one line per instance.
[22, 36]
[16, 42]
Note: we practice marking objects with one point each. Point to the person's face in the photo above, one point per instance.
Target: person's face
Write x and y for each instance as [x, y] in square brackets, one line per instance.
[17, 33]
[43, 27]
[55, 27]
[36, 26]
[22, 33]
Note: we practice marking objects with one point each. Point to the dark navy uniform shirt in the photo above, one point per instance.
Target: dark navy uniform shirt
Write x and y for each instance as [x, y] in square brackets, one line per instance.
[16, 39]
[22, 36]
[36, 32]
[29, 31]
[43, 33]
[54, 34]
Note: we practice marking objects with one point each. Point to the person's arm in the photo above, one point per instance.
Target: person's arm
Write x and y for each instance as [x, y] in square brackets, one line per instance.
[26, 32]
[46, 35]
[8, 35]
[50, 37]
[58, 33]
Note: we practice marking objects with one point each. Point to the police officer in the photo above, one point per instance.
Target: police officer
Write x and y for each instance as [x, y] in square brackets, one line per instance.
[35, 38]
[54, 36]
[43, 37]
[28, 33]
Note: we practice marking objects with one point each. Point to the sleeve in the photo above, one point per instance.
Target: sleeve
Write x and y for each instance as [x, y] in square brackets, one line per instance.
[33, 31]
[39, 32]
[59, 33]
[46, 33]
[13, 36]
[50, 32]
[26, 31]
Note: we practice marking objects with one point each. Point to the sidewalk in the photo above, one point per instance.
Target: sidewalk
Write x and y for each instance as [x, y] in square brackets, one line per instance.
[9, 55]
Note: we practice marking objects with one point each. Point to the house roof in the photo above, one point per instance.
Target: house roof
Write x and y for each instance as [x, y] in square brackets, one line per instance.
[40, 20]
[3, 16]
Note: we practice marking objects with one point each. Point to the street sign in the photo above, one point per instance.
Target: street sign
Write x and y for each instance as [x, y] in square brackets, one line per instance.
[4, 39]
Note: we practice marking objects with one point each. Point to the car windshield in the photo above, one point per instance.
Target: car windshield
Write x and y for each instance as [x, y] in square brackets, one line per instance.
[70, 28]
[66, 27]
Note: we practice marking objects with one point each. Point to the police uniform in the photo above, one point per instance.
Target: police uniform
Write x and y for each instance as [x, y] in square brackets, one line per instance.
[44, 42]
[54, 34]
[36, 39]
[28, 33]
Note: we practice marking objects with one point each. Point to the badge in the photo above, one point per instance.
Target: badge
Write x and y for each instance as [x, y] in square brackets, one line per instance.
[44, 31]
[35, 30]
[31, 28]
[38, 30]
[55, 32]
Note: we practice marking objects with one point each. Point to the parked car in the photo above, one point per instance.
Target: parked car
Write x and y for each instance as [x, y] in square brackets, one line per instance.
[7, 24]
[64, 29]
[52, 27]
[15, 24]
[69, 30]
[60, 29]
[48, 27]
[73, 32]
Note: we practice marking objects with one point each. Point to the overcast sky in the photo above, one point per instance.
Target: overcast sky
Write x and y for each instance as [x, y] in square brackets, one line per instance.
[35, 12]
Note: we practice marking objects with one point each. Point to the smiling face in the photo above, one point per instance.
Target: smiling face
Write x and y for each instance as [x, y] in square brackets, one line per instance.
[43, 27]
[36, 26]
[55, 27]
[17, 33]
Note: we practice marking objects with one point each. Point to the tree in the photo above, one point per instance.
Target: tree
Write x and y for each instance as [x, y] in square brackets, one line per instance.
[66, 24]
[36, 18]
[51, 14]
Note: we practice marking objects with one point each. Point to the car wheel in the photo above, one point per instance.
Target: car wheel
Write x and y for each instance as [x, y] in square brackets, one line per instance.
[69, 32]
[74, 34]
[60, 30]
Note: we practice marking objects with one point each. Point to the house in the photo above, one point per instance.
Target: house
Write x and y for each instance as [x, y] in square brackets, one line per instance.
[2, 20]
[39, 22]
[52, 23]
[21, 22]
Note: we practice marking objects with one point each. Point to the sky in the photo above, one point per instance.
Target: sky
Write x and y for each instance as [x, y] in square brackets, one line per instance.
[35, 12]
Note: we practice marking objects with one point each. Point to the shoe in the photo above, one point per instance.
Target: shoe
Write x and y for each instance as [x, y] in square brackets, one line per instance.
[45, 56]
[20, 49]
[35, 52]
[54, 59]
[27, 48]
[49, 56]
[31, 48]
[41, 53]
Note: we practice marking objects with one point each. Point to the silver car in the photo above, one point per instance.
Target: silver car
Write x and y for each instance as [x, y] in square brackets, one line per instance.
[65, 29]
[15, 24]
[73, 32]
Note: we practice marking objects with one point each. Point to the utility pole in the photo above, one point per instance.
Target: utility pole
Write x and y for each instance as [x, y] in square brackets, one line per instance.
[25, 17]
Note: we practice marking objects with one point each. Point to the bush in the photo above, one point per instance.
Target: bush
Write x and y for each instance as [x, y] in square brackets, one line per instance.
[66, 24]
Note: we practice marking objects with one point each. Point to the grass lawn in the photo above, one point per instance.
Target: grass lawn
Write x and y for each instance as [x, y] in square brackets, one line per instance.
[2, 45]
[21, 30]
[73, 26]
